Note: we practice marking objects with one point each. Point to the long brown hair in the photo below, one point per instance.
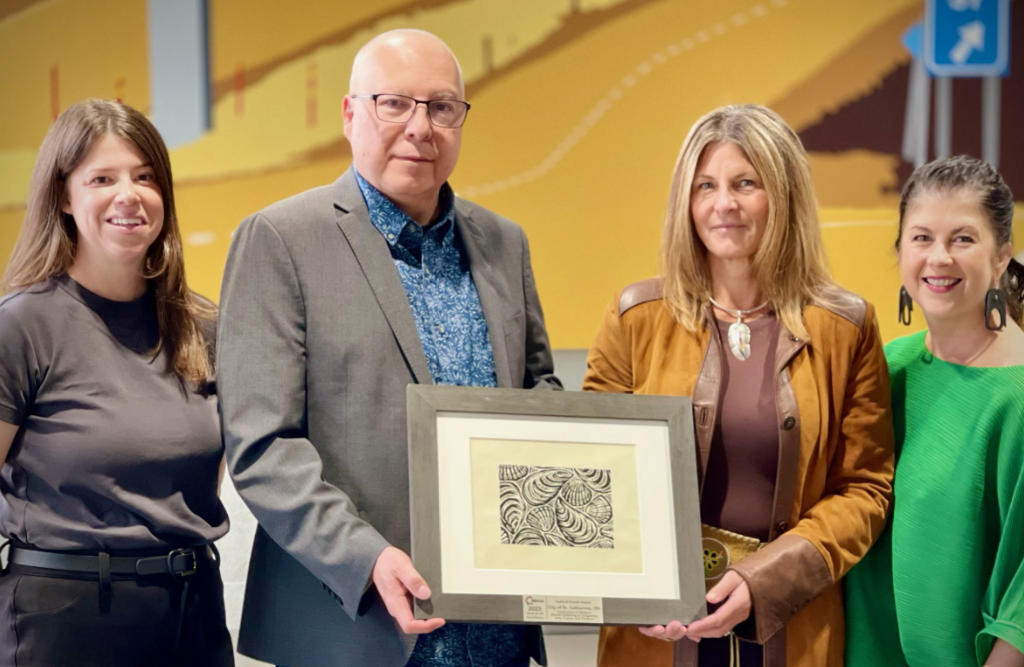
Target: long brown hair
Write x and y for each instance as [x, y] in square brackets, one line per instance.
[963, 173]
[48, 241]
[790, 265]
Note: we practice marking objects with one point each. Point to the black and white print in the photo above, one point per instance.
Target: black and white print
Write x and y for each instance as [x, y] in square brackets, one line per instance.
[555, 506]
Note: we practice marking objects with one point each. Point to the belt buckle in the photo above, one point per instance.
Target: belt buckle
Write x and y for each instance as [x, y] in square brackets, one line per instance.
[716, 558]
[182, 552]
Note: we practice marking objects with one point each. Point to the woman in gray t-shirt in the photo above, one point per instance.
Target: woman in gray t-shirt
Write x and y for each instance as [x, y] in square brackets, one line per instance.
[109, 430]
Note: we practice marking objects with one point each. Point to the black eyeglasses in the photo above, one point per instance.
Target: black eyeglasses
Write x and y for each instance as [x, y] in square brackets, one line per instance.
[400, 108]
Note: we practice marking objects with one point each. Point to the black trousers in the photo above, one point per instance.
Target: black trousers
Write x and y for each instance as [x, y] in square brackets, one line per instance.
[50, 619]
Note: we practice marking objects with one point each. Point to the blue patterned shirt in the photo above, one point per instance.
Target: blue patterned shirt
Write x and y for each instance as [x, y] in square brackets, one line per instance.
[434, 268]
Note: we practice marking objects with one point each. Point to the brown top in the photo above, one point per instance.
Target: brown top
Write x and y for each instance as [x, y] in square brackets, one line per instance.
[739, 486]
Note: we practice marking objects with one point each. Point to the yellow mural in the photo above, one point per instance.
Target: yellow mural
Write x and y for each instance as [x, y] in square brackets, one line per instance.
[579, 110]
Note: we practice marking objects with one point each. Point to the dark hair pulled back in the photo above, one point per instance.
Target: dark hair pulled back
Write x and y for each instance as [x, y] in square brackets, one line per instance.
[963, 173]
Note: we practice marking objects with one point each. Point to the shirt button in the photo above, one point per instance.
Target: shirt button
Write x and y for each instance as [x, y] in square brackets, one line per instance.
[789, 423]
[391, 236]
[440, 328]
[781, 527]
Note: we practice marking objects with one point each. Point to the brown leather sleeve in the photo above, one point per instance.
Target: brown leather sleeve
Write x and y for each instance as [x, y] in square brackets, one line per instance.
[609, 363]
[783, 577]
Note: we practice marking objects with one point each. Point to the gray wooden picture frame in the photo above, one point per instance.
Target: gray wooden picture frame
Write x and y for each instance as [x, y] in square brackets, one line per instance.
[424, 404]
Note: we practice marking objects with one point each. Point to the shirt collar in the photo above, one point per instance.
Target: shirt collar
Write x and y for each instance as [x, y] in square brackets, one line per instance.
[391, 221]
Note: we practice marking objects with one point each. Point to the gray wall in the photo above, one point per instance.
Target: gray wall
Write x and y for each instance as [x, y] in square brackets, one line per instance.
[570, 365]
[179, 72]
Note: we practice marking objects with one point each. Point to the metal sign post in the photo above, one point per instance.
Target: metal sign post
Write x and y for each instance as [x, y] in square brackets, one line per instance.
[918, 111]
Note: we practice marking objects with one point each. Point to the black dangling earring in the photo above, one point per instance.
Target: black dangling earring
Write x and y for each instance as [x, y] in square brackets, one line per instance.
[995, 299]
[906, 306]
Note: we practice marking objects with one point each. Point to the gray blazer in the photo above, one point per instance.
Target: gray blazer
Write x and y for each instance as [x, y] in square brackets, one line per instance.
[316, 345]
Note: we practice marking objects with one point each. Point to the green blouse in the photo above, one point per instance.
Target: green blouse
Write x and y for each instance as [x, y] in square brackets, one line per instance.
[946, 578]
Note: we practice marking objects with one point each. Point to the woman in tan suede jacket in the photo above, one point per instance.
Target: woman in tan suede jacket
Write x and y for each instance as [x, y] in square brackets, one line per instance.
[790, 394]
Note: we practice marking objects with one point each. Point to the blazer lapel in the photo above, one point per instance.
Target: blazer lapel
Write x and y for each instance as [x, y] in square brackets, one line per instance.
[483, 278]
[374, 257]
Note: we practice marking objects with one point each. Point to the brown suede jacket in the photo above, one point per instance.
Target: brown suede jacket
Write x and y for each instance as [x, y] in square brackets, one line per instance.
[835, 461]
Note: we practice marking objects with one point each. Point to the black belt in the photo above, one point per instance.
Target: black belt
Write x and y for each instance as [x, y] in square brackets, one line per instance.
[179, 562]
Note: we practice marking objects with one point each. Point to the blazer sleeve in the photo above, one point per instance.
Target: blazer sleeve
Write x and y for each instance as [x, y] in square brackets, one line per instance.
[609, 366]
[834, 534]
[262, 380]
[540, 366]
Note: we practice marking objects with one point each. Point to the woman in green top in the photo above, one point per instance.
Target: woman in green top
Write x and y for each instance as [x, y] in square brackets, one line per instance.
[944, 585]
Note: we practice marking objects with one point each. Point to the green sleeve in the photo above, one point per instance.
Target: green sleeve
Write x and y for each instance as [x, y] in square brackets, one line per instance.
[1003, 607]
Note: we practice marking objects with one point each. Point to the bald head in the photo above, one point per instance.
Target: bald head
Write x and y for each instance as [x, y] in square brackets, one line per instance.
[401, 49]
[407, 160]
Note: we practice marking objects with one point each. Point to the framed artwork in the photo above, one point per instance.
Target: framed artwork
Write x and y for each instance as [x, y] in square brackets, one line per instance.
[554, 507]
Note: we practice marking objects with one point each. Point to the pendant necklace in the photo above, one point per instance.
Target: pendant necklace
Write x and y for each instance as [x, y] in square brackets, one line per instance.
[739, 332]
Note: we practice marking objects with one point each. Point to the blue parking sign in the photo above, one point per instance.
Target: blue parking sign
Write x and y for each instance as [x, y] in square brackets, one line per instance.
[967, 37]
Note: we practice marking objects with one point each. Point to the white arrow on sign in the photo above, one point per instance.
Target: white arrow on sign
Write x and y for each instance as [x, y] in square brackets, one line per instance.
[972, 36]
[962, 5]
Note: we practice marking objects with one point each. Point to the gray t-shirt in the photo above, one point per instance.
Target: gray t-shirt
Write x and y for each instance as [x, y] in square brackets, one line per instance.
[112, 453]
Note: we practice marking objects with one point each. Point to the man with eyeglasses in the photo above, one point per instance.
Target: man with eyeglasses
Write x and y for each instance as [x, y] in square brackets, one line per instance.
[333, 301]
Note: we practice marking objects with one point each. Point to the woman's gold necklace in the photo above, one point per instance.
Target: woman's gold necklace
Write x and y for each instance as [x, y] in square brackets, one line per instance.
[739, 332]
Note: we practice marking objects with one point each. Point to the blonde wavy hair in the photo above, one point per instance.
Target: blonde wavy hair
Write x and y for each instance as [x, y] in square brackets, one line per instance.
[48, 241]
[790, 266]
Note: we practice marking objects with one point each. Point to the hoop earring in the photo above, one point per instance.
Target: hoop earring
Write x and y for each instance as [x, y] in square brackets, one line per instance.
[995, 299]
[906, 306]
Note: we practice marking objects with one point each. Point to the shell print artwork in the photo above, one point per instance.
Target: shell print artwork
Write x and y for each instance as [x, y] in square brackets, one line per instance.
[600, 509]
[541, 518]
[576, 493]
[574, 525]
[511, 505]
[598, 480]
[543, 484]
[510, 473]
[555, 506]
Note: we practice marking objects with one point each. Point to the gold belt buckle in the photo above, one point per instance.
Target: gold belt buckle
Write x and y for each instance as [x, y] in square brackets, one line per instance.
[716, 560]
[723, 549]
